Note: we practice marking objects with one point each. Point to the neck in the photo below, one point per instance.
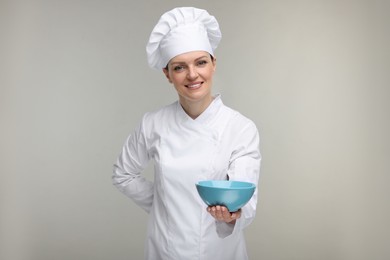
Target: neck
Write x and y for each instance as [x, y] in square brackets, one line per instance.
[195, 108]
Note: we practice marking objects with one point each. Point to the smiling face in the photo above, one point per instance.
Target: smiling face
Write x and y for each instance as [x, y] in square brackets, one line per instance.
[191, 74]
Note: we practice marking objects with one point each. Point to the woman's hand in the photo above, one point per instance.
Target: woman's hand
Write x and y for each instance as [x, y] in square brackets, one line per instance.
[221, 213]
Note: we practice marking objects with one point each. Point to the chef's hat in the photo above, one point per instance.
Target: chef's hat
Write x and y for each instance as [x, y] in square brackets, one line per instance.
[179, 31]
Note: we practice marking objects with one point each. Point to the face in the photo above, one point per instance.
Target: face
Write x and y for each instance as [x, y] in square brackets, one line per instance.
[191, 74]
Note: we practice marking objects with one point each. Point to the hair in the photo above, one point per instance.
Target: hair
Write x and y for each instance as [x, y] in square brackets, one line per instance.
[211, 56]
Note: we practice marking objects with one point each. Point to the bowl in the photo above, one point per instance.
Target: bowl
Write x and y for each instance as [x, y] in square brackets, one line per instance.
[231, 194]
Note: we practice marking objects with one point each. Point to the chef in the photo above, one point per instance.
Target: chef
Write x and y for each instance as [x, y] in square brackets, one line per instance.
[195, 138]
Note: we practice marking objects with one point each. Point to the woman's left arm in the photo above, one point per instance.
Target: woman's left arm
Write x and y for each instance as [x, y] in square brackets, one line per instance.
[244, 165]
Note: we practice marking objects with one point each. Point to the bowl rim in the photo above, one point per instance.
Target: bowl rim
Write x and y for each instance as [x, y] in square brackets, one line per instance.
[250, 186]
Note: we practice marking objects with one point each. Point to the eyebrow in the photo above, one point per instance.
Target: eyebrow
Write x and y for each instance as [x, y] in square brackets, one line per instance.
[182, 62]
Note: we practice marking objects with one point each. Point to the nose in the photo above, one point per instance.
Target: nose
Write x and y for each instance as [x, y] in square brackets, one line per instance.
[192, 73]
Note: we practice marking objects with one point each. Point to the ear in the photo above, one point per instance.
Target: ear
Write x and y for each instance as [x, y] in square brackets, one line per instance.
[166, 72]
[214, 64]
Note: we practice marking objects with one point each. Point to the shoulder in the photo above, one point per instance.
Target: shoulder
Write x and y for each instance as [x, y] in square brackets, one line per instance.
[158, 119]
[239, 122]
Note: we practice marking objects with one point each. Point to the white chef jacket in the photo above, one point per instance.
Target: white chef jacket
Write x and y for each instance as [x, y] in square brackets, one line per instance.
[219, 143]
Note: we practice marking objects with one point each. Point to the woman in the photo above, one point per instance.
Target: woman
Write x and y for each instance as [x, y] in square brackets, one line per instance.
[195, 138]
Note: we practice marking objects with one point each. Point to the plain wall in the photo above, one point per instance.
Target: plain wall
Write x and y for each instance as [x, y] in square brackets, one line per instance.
[313, 76]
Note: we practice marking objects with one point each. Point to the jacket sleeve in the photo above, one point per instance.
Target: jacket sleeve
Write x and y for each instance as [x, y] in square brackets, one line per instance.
[244, 165]
[128, 167]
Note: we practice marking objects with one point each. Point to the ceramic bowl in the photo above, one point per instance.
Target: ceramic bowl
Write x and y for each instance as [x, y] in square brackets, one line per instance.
[231, 194]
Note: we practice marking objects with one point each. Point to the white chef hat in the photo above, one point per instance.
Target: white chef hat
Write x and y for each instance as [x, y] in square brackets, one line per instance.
[179, 31]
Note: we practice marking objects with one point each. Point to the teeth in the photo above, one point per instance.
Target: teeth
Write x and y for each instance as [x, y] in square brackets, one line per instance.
[194, 86]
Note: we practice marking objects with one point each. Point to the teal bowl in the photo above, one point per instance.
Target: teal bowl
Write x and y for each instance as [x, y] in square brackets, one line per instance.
[231, 194]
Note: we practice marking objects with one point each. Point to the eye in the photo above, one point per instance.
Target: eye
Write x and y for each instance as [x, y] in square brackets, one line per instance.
[178, 68]
[202, 62]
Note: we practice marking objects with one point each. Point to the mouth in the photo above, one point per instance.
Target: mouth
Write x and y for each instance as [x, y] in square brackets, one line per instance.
[194, 85]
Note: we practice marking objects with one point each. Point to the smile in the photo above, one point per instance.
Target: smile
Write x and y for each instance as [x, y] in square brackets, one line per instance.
[194, 85]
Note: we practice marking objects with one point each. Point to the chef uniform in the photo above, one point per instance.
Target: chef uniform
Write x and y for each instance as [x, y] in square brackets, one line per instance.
[219, 144]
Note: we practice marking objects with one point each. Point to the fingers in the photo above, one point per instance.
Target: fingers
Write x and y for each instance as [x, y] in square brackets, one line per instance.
[236, 215]
[221, 213]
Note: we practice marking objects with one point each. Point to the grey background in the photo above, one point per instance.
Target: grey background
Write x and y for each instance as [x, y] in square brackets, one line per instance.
[313, 75]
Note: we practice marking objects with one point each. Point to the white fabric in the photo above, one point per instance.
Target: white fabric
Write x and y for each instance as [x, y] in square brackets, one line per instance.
[218, 143]
[182, 30]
